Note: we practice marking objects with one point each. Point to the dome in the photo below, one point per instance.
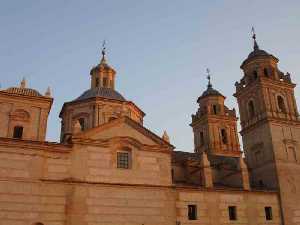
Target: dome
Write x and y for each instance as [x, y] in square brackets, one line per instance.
[101, 92]
[258, 52]
[23, 91]
[210, 91]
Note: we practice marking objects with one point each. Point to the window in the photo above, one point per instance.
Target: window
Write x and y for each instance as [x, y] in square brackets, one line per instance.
[201, 138]
[192, 212]
[255, 75]
[215, 109]
[268, 213]
[38, 224]
[97, 82]
[82, 124]
[123, 160]
[251, 109]
[281, 105]
[18, 132]
[105, 82]
[232, 213]
[224, 136]
[266, 72]
[261, 183]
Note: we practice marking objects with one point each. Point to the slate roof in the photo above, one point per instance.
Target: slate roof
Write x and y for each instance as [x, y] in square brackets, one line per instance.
[101, 92]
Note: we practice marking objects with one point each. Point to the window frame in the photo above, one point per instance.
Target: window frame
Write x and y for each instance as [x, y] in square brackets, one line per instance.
[124, 163]
[232, 212]
[224, 136]
[18, 132]
[268, 213]
[192, 212]
[281, 104]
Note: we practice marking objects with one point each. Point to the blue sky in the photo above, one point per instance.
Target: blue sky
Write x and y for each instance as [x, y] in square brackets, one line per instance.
[160, 50]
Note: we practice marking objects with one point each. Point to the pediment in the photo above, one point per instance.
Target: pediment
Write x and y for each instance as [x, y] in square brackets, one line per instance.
[126, 128]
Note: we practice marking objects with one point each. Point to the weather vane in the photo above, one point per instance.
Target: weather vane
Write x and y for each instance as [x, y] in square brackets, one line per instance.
[253, 33]
[103, 47]
[208, 77]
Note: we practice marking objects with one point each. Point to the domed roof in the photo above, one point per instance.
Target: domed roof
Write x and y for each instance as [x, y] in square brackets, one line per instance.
[101, 92]
[257, 52]
[23, 91]
[210, 91]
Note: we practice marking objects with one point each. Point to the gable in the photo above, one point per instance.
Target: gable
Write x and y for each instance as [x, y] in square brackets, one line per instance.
[123, 127]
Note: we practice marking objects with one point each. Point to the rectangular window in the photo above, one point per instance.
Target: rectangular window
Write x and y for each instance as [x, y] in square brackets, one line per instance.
[123, 160]
[232, 213]
[192, 212]
[18, 132]
[268, 213]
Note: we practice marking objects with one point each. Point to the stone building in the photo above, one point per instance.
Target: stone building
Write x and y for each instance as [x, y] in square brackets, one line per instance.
[108, 169]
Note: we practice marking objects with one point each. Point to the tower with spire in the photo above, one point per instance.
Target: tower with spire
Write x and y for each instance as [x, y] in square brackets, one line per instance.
[270, 127]
[214, 124]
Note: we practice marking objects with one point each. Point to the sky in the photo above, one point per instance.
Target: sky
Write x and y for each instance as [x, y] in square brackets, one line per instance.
[160, 50]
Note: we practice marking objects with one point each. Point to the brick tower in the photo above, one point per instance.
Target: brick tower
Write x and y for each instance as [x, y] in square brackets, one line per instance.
[270, 129]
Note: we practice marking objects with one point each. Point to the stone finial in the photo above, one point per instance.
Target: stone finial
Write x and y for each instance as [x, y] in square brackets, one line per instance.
[48, 92]
[77, 127]
[23, 83]
[166, 137]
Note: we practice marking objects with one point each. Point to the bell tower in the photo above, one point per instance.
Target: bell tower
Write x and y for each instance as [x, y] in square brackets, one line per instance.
[270, 128]
[214, 125]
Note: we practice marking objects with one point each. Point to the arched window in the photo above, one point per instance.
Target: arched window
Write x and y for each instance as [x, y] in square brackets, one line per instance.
[82, 123]
[18, 132]
[105, 82]
[255, 75]
[224, 136]
[215, 109]
[97, 82]
[251, 109]
[281, 104]
[38, 223]
[266, 72]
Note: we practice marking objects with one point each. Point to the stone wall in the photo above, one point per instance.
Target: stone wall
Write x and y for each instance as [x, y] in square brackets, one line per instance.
[212, 206]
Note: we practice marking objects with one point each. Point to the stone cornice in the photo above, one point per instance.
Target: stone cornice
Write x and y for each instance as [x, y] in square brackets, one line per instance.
[35, 145]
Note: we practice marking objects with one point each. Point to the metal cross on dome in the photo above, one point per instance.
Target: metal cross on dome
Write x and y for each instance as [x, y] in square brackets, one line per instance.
[103, 47]
[208, 77]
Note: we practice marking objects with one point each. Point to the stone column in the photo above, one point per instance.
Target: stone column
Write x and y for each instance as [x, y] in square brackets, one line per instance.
[245, 174]
[207, 173]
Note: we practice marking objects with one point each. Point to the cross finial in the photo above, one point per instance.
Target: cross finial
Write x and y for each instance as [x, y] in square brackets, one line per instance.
[103, 48]
[254, 38]
[103, 60]
[208, 78]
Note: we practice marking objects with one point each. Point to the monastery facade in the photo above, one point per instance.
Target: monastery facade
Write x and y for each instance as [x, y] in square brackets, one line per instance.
[108, 169]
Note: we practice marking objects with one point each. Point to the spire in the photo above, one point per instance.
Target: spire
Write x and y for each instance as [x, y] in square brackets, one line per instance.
[103, 52]
[209, 85]
[255, 46]
[23, 83]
